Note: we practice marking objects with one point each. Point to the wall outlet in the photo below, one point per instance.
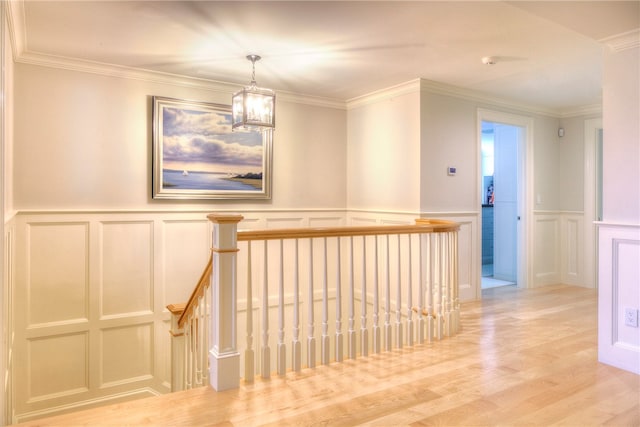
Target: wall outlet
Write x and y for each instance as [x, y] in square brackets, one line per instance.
[631, 317]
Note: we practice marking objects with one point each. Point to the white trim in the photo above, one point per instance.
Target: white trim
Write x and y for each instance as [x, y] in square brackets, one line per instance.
[416, 213]
[5, 303]
[468, 94]
[623, 41]
[86, 404]
[15, 20]
[411, 86]
[591, 128]
[616, 224]
[585, 110]
[176, 210]
[119, 71]
[429, 86]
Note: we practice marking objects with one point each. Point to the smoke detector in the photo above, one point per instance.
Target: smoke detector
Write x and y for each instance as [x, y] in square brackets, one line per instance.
[489, 60]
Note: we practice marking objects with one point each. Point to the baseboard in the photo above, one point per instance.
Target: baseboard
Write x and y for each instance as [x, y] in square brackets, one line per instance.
[86, 404]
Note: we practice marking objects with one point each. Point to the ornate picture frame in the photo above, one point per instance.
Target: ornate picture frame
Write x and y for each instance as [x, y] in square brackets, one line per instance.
[197, 156]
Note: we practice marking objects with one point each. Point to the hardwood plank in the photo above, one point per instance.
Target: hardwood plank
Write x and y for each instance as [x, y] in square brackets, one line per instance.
[523, 357]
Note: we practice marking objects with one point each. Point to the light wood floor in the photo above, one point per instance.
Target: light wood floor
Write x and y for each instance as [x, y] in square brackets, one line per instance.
[524, 357]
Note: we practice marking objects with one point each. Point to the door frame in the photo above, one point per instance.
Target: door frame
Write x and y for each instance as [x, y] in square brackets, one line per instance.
[525, 190]
[591, 128]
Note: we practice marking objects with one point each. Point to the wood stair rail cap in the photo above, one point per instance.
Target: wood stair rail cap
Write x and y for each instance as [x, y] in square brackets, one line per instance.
[225, 218]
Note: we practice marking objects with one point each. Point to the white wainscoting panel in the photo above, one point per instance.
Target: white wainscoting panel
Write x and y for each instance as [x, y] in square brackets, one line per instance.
[126, 354]
[546, 244]
[58, 365]
[57, 272]
[618, 289]
[572, 249]
[185, 248]
[126, 266]
[90, 295]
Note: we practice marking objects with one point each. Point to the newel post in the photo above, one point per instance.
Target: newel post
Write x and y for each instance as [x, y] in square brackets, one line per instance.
[224, 359]
[177, 347]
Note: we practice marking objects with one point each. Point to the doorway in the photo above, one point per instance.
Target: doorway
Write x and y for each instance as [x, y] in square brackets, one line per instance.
[499, 164]
[524, 189]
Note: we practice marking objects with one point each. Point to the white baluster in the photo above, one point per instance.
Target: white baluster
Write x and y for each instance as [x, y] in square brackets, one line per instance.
[430, 286]
[364, 333]
[296, 345]
[249, 355]
[265, 357]
[311, 340]
[281, 355]
[339, 338]
[199, 343]
[410, 296]
[440, 298]
[448, 288]
[351, 333]
[377, 346]
[399, 297]
[456, 283]
[206, 323]
[188, 358]
[421, 289]
[387, 303]
[325, 345]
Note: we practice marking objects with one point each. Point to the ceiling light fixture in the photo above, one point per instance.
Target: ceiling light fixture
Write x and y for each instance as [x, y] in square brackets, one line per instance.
[253, 107]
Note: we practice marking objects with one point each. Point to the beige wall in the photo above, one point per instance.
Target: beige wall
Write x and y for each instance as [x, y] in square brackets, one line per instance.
[619, 231]
[383, 169]
[571, 163]
[621, 121]
[449, 137]
[83, 141]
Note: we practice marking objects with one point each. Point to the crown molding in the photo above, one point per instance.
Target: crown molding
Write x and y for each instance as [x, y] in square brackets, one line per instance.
[585, 110]
[623, 41]
[110, 70]
[16, 23]
[437, 88]
[411, 86]
[432, 87]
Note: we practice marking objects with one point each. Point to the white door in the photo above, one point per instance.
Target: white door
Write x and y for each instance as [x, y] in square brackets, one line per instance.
[505, 208]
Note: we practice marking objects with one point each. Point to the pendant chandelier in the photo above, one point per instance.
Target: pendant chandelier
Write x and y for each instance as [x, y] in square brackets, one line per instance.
[253, 107]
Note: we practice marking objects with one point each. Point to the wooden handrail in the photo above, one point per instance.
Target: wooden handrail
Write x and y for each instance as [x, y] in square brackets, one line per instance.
[423, 225]
[191, 335]
[197, 293]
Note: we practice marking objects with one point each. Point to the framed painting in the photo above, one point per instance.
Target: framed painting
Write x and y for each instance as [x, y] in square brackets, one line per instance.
[197, 156]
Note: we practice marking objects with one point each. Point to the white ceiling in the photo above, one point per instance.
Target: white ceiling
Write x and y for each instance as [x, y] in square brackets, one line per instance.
[548, 53]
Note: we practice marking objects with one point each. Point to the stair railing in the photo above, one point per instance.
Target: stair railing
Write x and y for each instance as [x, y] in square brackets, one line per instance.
[392, 271]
